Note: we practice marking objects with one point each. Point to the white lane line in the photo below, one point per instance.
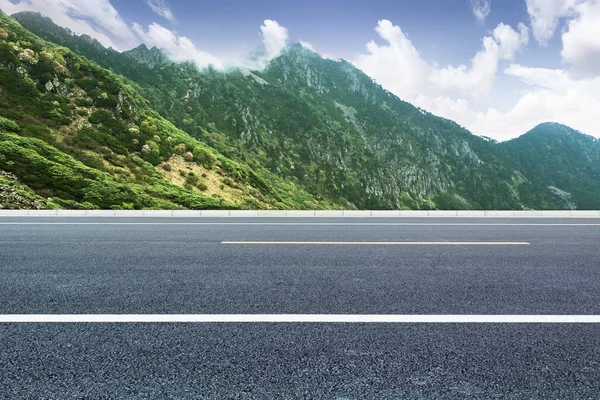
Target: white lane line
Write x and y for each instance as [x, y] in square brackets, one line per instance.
[300, 318]
[289, 223]
[383, 243]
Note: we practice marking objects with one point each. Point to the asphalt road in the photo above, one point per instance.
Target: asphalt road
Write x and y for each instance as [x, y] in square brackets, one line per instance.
[176, 266]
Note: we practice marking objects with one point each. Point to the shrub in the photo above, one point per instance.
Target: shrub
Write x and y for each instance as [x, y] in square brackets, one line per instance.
[28, 55]
[40, 132]
[201, 185]
[192, 179]
[151, 152]
[8, 125]
[99, 116]
[189, 156]
[84, 102]
[167, 167]
[204, 157]
[179, 149]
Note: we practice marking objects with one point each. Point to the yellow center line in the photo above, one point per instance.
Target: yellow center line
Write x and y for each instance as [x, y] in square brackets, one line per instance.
[384, 243]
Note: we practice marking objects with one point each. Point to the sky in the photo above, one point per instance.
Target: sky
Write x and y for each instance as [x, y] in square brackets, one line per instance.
[496, 67]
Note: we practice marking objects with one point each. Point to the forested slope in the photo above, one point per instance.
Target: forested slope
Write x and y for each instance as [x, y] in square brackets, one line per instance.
[307, 132]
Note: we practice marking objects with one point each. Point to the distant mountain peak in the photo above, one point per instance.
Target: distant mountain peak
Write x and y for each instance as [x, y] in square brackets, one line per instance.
[149, 57]
[553, 129]
[554, 125]
[141, 48]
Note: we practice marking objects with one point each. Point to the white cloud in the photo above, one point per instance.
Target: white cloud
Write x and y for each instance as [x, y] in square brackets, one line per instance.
[481, 9]
[581, 42]
[398, 66]
[510, 41]
[312, 48]
[553, 95]
[452, 92]
[545, 14]
[479, 79]
[307, 45]
[161, 8]
[274, 38]
[550, 95]
[96, 18]
[177, 48]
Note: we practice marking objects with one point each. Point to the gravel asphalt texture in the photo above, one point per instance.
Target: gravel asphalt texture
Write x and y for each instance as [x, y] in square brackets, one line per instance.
[175, 266]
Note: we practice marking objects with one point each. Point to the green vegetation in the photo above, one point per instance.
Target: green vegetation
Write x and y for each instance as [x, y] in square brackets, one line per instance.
[75, 132]
[15, 195]
[565, 163]
[136, 130]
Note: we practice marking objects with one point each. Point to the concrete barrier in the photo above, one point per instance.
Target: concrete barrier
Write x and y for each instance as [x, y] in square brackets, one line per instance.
[357, 213]
[441, 213]
[557, 214]
[129, 213]
[300, 213]
[64, 213]
[470, 214]
[416, 213]
[42, 213]
[158, 213]
[499, 214]
[385, 213]
[329, 213]
[243, 213]
[208, 213]
[305, 213]
[272, 213]
[99, 213]
[528, 214]
[13, 213]
[585, 214]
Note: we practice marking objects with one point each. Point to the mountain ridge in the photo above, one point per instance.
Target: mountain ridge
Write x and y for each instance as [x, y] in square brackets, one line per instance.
[326, 126]
[80, 137]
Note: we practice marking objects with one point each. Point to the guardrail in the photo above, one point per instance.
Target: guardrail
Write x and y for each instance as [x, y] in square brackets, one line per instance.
[299, 213]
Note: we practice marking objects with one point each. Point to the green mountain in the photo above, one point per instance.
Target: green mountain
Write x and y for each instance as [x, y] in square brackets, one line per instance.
[334, 136]
[77, 136]
[565, 163]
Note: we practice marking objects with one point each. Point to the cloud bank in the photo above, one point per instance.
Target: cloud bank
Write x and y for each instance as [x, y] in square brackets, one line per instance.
[96, 18]
[177, 48]
[398, 65]
[570, 96]
[274, 38]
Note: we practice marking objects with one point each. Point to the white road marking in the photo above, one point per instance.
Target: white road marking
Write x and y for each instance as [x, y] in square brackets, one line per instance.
[383, 243]
[301, 318]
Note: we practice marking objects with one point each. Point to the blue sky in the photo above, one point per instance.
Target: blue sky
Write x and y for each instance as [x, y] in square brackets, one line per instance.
[497, 67]
[445, 30]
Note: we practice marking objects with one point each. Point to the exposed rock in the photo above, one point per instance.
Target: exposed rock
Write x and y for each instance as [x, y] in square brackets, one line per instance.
[10, 199]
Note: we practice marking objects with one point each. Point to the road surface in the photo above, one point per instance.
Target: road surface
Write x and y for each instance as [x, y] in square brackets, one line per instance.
[290, 267]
